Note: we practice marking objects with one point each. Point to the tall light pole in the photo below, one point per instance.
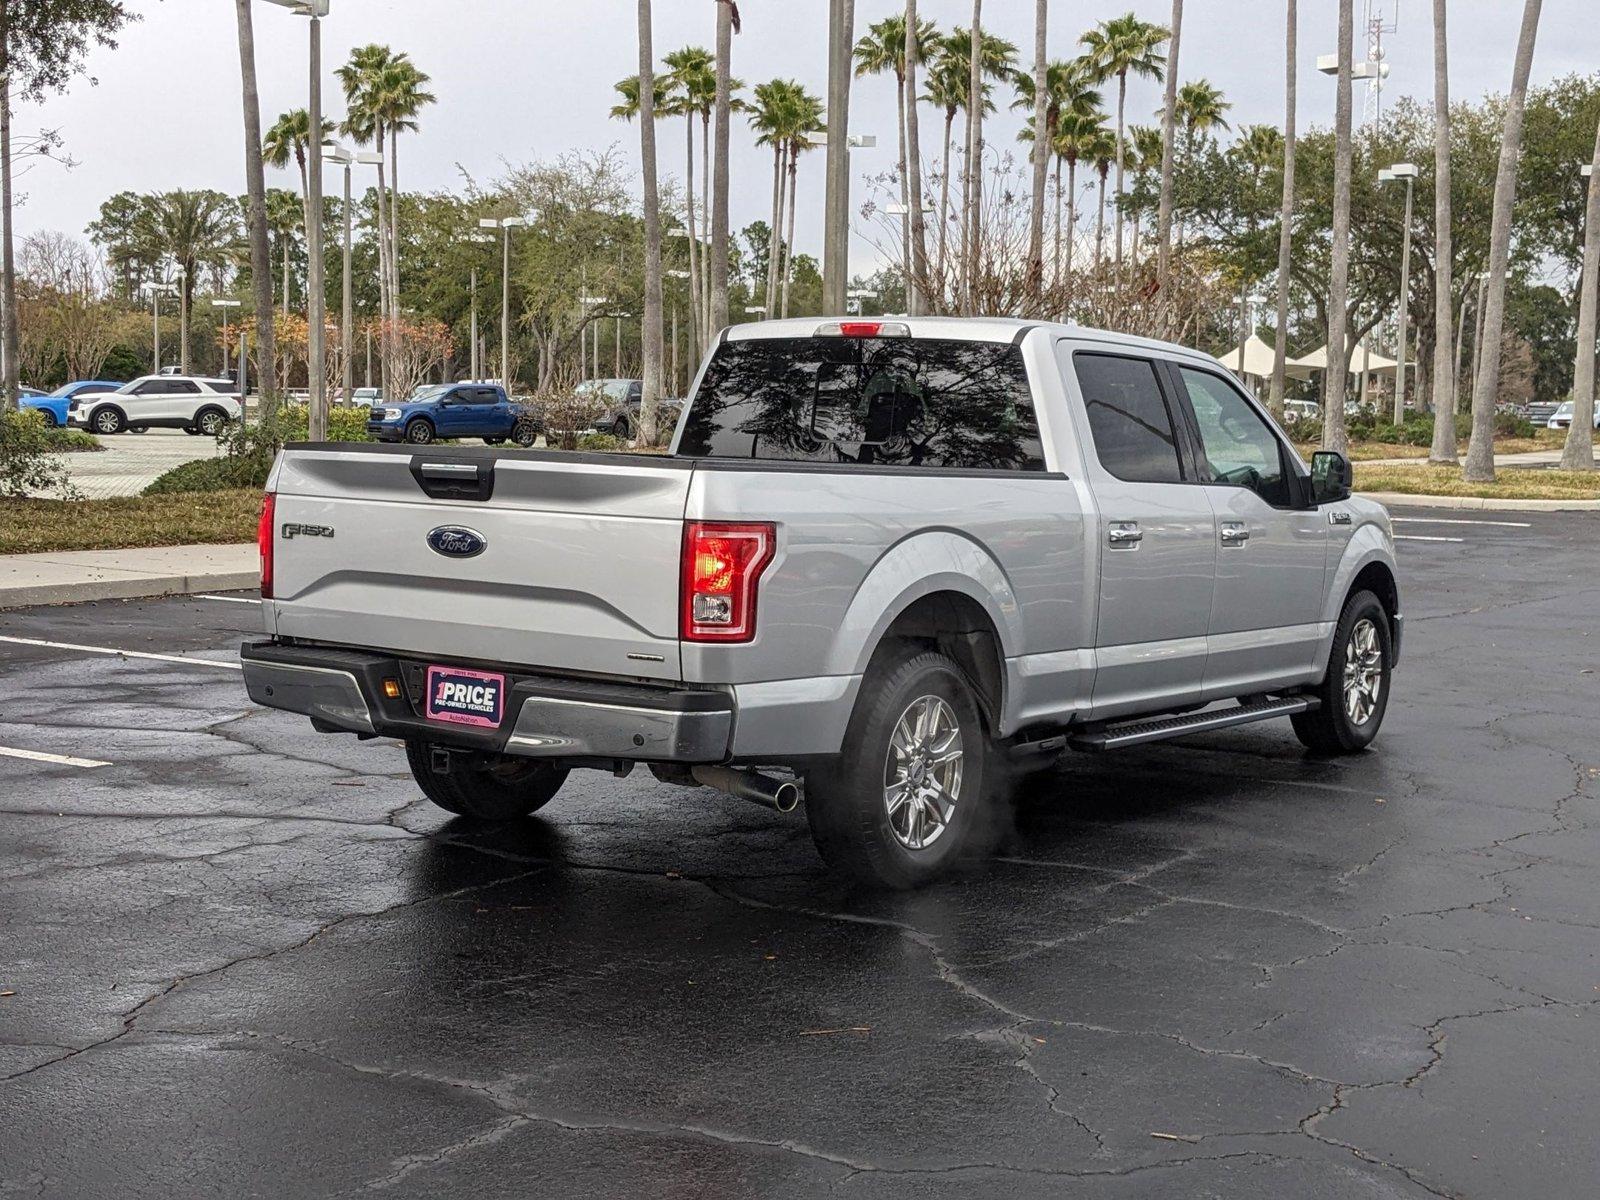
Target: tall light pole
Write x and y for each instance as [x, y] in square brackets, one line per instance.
[225, 305]
[346, 159]
[505, 225]
[371, 158]
[154, 291]
[1408, 172]
[836, 241]
[474, 365]
[316, 301]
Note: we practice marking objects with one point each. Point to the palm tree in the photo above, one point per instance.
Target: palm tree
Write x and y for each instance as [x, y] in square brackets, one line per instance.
[653, 334]
[769, 116]
[1117, 47]
[692, 71]
[1100, 147]
[806, 121]
[727, 23]
[290, 137]
[1479, 466]
[1068, 90]
[881, 50]
[1169, 118]
[1335, 376]
[971, 237]
[915, 300]
[1578, 453]
[950, 87]
[1200, 109]
[1144, 144]
[399, 94]
[194, 230]
[256, 214]
[1445, 400]
[285, 212]
[1041, 152]
[1280, 341]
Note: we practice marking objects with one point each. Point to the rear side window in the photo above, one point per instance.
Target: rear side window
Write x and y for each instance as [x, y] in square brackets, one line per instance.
[908, 402]
[1132, 426]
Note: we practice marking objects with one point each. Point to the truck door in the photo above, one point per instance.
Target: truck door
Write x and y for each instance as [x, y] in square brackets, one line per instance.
[1265, 629]
[1156, 534]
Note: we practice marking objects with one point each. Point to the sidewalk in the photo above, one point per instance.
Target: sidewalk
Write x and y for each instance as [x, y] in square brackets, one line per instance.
[68, 577]
[1530, 458]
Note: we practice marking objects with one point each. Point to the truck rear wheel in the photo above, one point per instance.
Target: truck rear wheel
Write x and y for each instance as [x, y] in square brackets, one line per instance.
[1355, 691]
[905, 798]
[485, 787]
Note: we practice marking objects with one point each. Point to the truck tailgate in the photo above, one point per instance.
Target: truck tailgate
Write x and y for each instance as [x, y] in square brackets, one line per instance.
[579, 568]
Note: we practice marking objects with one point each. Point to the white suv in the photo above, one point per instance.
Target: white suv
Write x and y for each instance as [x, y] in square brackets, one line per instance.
[193, 403]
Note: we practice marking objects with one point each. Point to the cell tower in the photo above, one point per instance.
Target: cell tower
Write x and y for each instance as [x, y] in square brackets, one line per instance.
[1377, 73]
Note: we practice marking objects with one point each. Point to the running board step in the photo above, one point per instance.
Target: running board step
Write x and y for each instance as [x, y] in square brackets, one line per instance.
[1136, 733]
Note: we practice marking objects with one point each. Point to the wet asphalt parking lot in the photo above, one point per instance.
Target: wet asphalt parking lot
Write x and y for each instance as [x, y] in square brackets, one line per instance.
[241, 959]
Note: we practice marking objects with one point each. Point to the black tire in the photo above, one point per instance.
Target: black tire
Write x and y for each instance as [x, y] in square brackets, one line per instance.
[138, 429]
[191, 431]
[622, 430]
[848, 803]
[49, 418]
[107, 419]
[420, 432]
[210, 421]
[494, 441]
[1338, 727]
[525, 434]
[485, 787]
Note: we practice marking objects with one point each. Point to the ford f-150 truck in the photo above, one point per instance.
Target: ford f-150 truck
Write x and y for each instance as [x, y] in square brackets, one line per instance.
[886, 565]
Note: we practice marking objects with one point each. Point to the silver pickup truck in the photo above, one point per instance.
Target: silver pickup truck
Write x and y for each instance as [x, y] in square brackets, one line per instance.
[886, 565]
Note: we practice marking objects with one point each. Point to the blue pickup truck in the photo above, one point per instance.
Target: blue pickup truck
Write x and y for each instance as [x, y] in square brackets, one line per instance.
[455, 410]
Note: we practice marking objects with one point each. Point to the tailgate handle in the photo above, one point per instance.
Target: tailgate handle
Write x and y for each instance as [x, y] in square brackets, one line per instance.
[454, 480]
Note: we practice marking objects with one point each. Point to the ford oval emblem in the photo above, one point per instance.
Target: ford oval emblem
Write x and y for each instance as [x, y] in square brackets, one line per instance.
[457, 541]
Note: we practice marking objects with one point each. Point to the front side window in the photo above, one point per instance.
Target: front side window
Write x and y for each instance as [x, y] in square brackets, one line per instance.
[911, 402]
[1133, 429]
[1236, 445]
[153, 387]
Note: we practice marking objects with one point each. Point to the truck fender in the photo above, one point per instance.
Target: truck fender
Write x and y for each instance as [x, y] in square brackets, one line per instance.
[1367, 545]
[920, 565]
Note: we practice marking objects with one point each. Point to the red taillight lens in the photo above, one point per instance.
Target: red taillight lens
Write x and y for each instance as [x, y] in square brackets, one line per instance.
[264, 543]
[722, 564]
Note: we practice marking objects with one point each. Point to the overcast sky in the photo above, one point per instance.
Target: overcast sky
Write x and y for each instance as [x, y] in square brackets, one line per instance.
[524, 79]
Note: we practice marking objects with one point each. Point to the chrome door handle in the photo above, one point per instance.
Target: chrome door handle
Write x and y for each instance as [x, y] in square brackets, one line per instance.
[1125, 536]
[1235, 535]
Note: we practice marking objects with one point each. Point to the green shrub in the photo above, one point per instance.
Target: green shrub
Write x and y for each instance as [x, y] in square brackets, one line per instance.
[71, 441]
[1509, 424]
[600, 441]
[344, 424]
[29, 461]
[223, 474]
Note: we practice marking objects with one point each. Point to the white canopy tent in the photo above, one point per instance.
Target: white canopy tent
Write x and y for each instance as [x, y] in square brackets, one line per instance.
[1258, 361]
[1363, 361]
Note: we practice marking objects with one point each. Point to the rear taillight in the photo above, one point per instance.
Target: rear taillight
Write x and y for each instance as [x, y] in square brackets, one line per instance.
[722, 565]
[264, 543]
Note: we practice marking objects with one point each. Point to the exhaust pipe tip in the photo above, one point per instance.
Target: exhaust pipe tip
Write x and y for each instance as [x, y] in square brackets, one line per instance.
[787, 797]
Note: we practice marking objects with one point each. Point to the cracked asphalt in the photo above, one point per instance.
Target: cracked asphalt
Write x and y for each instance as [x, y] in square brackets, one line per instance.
[247, 960]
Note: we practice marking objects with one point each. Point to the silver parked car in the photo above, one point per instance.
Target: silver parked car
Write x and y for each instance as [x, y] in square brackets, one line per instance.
[884, 561]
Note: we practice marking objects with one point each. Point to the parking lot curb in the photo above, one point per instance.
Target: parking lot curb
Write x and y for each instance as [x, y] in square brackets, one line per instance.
[1481, 503]
[72, 577]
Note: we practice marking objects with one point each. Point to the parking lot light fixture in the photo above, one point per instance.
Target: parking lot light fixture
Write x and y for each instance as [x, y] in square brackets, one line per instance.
[225, 305]
[155, 292]
[505, 225]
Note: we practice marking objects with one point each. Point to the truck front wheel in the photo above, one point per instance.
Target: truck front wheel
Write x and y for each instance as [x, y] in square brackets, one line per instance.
[905, 798]
[485, 787]
[1355, 691]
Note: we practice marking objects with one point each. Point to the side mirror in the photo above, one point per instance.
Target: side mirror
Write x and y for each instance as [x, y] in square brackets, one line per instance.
[1330, 477]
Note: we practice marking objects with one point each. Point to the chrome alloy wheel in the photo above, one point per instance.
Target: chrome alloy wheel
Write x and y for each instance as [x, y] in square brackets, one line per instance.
[1363, 672]
[922, 774]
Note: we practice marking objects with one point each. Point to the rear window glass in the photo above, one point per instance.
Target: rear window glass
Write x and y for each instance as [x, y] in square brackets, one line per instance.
[908, 402]
[1133, 431]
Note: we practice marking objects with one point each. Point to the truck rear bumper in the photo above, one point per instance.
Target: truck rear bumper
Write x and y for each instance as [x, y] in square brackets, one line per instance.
[547, 716]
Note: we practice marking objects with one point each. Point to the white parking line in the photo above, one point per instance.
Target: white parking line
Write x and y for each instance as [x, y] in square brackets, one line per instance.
[1418, 537]
[1459, 521]
[232, 599]
[64, 760]
[197, 662]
